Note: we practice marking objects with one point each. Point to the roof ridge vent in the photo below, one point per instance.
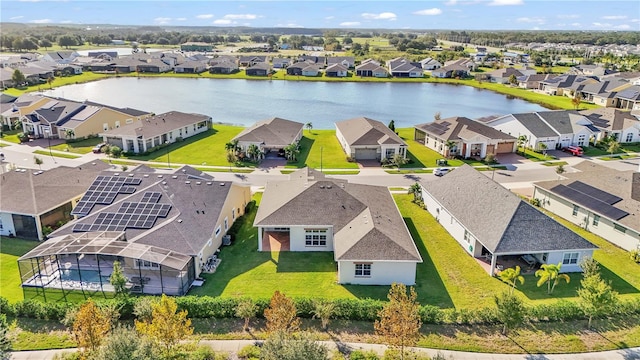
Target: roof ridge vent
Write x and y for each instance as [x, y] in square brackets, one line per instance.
[198, 182]
[187, 182]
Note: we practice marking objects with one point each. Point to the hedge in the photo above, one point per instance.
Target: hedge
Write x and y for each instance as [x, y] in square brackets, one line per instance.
[345, 309]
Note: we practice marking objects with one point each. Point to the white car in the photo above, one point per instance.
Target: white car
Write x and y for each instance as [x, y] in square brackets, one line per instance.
[440, 171]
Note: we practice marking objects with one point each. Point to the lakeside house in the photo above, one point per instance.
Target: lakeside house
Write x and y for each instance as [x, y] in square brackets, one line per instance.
[270, 135]
[367, 139]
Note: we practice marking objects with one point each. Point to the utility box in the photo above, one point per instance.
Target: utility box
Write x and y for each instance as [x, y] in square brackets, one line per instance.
[226, 240]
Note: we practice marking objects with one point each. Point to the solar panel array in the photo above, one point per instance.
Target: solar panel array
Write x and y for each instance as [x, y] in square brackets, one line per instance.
[437, 128]
[590, 202]
[137, 215]
[595, 192]
[104, 190]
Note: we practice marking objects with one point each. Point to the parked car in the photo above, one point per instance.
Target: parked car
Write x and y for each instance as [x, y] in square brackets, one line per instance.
[440, 171]
[98, 148]
[574, 150]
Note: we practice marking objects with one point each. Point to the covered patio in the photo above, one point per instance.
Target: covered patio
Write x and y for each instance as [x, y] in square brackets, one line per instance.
[276, 241]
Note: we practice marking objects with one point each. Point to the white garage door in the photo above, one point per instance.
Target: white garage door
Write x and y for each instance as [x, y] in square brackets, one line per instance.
[365, 154]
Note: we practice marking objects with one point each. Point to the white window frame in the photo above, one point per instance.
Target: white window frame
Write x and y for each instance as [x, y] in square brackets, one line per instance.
[596, 220]
[619, 228]
[570, 258]
[315, 237]
[575, 211]
[629, 137]
[226, 224]
[218, 230]
[144, 264]
[362, 270]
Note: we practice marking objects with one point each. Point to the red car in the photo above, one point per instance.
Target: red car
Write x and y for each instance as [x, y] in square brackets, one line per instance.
[574, 150]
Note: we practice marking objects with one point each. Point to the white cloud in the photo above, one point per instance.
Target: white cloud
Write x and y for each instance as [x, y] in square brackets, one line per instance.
[382, 16]
[223, 22]
[181, 19]
[289, 25]
[204, 16]
[576, 24]
[537, 20]
[241, 16]
[614, 17]
[16, 17]
[330, 18]
[506, 2]
[635, 20]
[162, 20]
[604, 25]
[451, 2]
[568, 16]
[432, 11]
[41, 21]
[350, 23]
[623, 27]
[66, 22]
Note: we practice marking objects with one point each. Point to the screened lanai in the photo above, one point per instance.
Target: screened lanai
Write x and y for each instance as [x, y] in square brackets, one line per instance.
[84, 262]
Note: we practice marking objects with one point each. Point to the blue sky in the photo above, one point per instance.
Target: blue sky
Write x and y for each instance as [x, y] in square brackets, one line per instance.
[448, 14]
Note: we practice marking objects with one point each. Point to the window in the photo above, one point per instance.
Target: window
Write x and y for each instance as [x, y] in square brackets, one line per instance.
[1, 224]
[468, 237]
[629, 137]
[581, 140]
[218, 229]
[129, 121]
[596, 220]
[315, 237]
[144, 264]
[209, 243]
[570, 258]
[363, 270]
[622, 229]
[226, 224]
[233, 214]
[575, 210]
[389, 153]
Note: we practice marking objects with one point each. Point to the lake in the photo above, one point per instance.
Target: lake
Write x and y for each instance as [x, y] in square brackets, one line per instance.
[243, 102]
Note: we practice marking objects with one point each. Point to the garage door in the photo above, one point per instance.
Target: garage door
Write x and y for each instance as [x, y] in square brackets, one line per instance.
[504, 148]
[365, 154]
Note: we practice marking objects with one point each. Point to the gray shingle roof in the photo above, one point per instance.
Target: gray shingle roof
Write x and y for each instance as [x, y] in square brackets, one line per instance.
[499, 219]
[273, 132]
[366, 222]
[535, 125]
[610, 119]
[456, 128]
[365, 131]
[157, 125]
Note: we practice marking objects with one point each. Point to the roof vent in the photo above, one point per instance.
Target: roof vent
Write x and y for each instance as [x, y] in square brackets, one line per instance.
[221, 184]
[180, 220]
[164, 183]
[146, 175]
[198, 182]
[116, 174]
[174, 177]
[328, 186]
[159, 176]
[209, 183]
[321, 186]
[187, 182]
[131, 175]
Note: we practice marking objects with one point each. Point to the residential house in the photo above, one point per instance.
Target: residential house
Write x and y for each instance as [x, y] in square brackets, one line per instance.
[51, 195]
[359, 223]
[311, 70]
[6, 105]
[95, 118]
[629, 98]
[430, 64]
[297, 67]
[503, 76]
[588, 70]
[336, 70]
[125, 65]
[548, 129]
[493, 224]
[270, 135]
[467, 63]
[153, 66]
[321, 61]
[558, 84]
[45, 120]
[223, 58]
[258, 69]
[623, 126]
[533, 81]
[367, 139]
[103, 55]
[146, 134]
[281, 63]
[371, 68]
[600, 199]
[190, 67]
[250, 60]
[401, 67]
[61, 57]
[164, 229]
[602, 93]
[196, 46]
[23, 105]
[223, 65]
[468, 137]
[346, 61]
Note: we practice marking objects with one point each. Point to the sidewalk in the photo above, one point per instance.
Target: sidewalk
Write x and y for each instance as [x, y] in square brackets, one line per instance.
[232, 346]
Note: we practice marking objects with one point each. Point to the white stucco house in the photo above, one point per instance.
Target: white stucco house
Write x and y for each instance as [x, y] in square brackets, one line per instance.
[600, 199]
[555, 129]
[271, 134]
[360, 224]
[471, 138]
[138, 136]
[493, 224]
[366, 139]
[623, 126]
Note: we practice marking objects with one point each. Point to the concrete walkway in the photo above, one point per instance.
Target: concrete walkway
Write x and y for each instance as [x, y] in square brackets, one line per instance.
[233, 346]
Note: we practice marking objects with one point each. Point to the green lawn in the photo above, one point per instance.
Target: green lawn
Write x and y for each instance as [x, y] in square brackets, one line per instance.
[59, 81]
[11, 136]
[321, 146]
[535, 156]
[421, 155]
[10, 250]
[78, 147]
[56, 154]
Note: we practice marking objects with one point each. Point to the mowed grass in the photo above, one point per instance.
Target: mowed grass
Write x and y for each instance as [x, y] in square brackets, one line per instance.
[421, 155]
[78, 147]
[10, 250]
[56, 154]
[59, 81]
[321, 147]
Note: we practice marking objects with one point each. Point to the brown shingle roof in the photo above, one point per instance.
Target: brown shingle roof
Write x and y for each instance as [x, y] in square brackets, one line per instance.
[273, 132]
[365, 131]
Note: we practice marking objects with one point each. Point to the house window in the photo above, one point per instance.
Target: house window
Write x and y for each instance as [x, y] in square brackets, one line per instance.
[575, 210]
[1, 224]
[389, 153]
[467, 237]
[218, 229]
[629, 137]
[315, 237]
[622, 229]
[209, 243]
[596, 220]
[233, 214]
[144, 264]
[129, 121]
[570, 258]
[581, 140]
[363, 270]
[226, 224]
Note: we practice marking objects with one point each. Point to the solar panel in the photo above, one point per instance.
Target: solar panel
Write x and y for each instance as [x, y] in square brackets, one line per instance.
[595, 192]
[590, 202]
[104, 190]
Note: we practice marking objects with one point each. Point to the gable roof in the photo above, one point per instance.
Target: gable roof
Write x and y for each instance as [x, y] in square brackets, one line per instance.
[46, 190]
[610, 118]
[498, 218]
[365, 131]
[273, 132]
[366, 222]
[535, 125]
[455, 128]
[336, 67]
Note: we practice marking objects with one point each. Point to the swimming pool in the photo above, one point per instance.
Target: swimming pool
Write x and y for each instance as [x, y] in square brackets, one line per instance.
[92, 276]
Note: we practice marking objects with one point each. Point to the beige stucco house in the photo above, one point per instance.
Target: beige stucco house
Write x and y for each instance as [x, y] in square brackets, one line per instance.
[270, 135]
[360, 224]
[367, 139]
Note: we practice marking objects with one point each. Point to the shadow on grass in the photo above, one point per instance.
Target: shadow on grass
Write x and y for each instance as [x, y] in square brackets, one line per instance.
[289, 261]
[174, 146]
[564, 290]
[59, 295]
[414, 162]
[429, 284]
[305, 148]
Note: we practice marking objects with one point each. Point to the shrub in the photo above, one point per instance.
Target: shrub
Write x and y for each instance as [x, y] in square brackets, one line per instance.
[635, 255]
[394, 354]
[535, 202]
[363, 355]
[249, 352]
[6, 307]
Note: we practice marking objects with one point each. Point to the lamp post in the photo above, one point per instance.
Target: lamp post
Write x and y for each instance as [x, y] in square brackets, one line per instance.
[48, 133]
[168, 158]
[321, 148]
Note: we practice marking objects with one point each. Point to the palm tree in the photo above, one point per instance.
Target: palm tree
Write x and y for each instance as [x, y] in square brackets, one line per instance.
[613, 147]
[309, 126]
[437, 116]
[550, 273]
[450, 146]
[511, 276]
[522, 139]
[291, 151]
[70, 133]
[560, 170]
[542, 146]
[253, 151]
[50, 81]
[416, 190]
[576, 100]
